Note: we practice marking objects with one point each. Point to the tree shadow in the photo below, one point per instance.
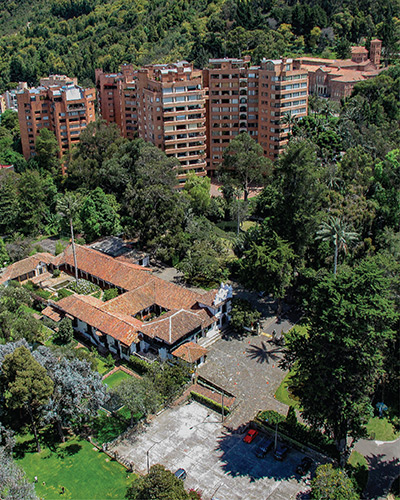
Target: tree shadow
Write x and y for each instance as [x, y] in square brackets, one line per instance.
[382, 473]
[21, 448]
[69, 450]
[262, 354]
[238, 459]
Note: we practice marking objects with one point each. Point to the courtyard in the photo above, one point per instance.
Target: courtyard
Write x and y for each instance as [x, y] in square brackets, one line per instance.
[217, 462]
[249, 369]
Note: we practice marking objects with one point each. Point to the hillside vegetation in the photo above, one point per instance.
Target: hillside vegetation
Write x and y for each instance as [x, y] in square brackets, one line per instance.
[76, 36]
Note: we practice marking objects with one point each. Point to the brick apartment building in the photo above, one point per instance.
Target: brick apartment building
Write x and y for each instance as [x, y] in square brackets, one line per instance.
[335, 78]
[193, 114]
[58, 104]
[117, 99]
[162, 103]
[253, 99]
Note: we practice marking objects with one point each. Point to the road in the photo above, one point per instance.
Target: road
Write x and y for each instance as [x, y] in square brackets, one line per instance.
[384, 466]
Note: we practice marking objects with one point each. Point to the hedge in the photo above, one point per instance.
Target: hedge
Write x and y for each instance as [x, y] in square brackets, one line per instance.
[297, 431]
[139, 365]
[210, 403]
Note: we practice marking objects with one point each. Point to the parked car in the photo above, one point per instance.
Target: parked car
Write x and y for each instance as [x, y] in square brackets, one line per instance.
[281, 452]
[181, 474]
[264, 448]
[250, 436]
[304, 466]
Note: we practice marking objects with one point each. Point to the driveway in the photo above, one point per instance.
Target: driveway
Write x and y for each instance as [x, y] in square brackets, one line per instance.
[217, 462]
[383, 459]
[249, 369]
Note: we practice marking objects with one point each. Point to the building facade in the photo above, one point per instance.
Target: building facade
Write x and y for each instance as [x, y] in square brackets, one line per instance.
[64, 109]
[117, 99]
[335, 78]
[163, 104]
[252, 99]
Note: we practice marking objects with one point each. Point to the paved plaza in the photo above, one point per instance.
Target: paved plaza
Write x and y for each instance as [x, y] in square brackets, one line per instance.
[217, 462]
[249, 369]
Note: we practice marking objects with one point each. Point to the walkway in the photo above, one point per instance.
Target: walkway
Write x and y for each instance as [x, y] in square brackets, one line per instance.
[384, 466]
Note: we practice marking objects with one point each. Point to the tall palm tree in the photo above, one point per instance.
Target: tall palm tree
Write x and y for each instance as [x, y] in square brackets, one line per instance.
[68, 206]
[337, 231]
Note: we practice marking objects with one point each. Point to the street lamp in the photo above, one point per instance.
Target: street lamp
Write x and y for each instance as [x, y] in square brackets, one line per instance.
[148, 457]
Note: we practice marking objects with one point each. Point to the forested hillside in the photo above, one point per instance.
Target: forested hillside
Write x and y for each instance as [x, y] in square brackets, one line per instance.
[76, 36]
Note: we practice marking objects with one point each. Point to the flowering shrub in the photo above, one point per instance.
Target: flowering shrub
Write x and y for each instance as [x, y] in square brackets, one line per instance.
[83, 287]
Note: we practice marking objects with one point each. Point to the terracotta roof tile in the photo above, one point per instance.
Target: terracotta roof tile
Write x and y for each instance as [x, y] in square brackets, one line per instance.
[88, 311]
[174, 325]
[25, 266]
[121, 274]
[52, 313]
[190, 352]
[155, 291]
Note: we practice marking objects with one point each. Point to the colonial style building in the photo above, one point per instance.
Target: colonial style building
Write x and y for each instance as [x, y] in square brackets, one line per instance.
[335, 78]
[149, 317]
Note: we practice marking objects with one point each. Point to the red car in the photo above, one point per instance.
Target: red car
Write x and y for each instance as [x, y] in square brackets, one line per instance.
[250, 436]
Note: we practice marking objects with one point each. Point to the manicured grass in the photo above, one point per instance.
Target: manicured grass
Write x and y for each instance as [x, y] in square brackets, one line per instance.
[282, 394]
[74, 465]
[381, 429]
[116, 378]
[102, 367]
[357, 459]
[359, 469]
[106, 428]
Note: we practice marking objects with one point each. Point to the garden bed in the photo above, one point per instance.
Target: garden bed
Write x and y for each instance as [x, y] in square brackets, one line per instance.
[83, 287]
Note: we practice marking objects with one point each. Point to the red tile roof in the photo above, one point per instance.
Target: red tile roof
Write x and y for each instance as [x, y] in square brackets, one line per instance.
[121, 274]
[52, 313]
[25, 266]
[174, 325]
[359, 50]
[190, 352]
[87, 309]
[155, 291]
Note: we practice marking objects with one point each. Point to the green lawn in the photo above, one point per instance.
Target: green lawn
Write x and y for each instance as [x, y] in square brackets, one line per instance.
[358, 466]
[75, 465]
[102, 367]
[381, 429]
[116, 378]
[106, 428]
[282, 394]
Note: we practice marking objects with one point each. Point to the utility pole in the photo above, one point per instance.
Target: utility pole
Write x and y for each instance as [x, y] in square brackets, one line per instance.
[148, 457]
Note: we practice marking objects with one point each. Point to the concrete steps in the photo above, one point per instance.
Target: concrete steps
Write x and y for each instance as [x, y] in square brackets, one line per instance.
[206, 342]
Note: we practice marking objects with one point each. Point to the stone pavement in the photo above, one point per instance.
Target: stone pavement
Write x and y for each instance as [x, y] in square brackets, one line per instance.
[249, 369]
[218, 463]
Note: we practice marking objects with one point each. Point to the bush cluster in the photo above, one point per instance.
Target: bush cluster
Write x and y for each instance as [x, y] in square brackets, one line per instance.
[83, 287]
[297, 431]
[210, 403]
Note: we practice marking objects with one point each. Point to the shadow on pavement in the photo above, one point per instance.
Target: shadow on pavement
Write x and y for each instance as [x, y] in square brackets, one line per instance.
[382, 473]
[239, 459]
[264, 353]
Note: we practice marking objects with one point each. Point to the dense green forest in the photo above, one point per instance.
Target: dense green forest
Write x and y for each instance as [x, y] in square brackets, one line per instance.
[76, 36]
